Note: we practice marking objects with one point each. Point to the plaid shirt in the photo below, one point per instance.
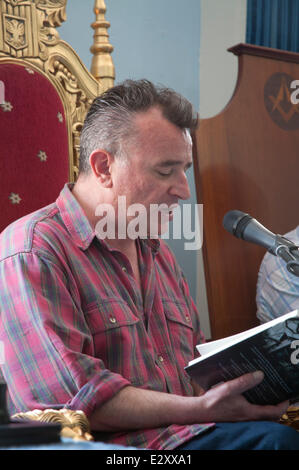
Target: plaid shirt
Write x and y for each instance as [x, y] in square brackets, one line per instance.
[277, 288]
[76, 329]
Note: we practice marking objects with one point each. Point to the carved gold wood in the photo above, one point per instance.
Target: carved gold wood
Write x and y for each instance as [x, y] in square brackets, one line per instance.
[74, 424]
[28, 36]
[102, 67]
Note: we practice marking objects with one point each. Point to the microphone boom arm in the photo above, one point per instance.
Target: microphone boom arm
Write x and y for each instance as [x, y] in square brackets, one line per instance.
[288, 252]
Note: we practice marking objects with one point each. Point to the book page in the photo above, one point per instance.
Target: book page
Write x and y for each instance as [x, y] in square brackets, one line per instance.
[205, 348]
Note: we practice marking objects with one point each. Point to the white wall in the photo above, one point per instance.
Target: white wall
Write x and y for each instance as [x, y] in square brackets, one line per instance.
[222, 25]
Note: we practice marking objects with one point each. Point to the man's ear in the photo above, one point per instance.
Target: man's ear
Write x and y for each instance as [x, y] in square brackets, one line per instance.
[100, 162]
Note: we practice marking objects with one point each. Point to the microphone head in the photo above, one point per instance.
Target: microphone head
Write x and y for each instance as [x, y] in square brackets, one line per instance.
[235, 222]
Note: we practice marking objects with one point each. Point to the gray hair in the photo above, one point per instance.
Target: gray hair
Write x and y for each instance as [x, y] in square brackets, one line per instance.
[109, 124]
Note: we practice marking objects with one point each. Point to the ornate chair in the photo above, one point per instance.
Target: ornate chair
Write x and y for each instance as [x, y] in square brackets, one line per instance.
[45, 92]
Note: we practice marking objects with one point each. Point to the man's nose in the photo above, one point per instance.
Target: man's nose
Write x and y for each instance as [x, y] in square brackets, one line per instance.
[181, 188]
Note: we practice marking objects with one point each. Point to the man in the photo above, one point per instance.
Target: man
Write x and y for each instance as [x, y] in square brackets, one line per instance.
[107, 325]
[277, 288]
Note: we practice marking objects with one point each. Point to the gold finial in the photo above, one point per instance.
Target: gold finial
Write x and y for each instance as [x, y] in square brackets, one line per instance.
[102, 67]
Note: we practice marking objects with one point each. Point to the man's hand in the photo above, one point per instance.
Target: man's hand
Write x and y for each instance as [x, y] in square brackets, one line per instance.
[226, 402]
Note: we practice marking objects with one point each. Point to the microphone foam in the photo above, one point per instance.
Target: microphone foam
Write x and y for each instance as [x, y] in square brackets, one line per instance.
[233, 223]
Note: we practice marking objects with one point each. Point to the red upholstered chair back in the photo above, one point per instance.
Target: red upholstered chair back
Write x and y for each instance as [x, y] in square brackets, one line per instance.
[45, 93]
[34, 153]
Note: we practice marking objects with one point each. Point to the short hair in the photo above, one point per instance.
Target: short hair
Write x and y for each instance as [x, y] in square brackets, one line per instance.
[109, 121]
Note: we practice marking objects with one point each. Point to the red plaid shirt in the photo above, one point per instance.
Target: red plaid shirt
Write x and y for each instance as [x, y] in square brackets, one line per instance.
[76, 329]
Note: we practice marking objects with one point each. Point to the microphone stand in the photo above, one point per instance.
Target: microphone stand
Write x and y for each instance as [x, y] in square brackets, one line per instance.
[289, 252]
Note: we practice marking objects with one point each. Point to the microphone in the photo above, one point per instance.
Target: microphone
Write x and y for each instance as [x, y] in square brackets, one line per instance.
[245, 227]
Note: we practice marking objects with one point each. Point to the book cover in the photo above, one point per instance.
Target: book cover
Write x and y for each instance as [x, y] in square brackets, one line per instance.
[272, 348]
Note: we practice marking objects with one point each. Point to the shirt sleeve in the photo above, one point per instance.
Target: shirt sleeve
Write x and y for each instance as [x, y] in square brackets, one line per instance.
[277, 289]
[48, 346]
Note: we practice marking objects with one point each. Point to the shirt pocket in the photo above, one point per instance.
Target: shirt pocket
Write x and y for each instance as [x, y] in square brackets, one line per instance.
[180, 328]
[114, 329]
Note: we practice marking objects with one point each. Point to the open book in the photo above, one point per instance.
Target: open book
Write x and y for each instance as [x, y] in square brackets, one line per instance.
[272, 347]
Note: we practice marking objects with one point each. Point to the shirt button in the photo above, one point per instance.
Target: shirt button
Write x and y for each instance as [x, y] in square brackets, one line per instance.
[188, 318]
[112, 319]
[124, 269]
[161, 358]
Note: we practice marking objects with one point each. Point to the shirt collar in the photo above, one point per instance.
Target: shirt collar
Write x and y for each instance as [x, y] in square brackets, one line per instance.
[74, 218]
[78, 224]
[154, 244]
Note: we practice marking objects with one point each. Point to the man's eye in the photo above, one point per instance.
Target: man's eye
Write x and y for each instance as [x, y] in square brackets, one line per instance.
[165, 173]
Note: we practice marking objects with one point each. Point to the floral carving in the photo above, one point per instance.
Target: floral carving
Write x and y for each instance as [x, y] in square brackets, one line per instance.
[74, 424]
[54, 11]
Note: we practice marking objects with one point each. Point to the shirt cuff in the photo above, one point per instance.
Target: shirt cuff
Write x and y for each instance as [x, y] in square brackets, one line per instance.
[100, 389]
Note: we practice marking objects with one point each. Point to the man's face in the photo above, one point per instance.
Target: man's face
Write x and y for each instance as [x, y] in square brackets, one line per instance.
[155, 172]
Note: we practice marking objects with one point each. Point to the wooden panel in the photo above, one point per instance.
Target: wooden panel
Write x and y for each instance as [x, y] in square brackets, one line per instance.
[247, 158]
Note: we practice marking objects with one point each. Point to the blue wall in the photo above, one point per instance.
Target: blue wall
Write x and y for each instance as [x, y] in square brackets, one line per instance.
[153, 39]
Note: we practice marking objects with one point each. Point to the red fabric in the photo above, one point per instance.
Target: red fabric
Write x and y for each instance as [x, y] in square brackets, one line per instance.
[33, 125]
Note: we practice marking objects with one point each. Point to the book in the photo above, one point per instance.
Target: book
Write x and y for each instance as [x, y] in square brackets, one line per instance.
[272, 347]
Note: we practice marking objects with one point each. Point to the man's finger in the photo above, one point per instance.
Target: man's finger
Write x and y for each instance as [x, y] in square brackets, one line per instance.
[245, 382]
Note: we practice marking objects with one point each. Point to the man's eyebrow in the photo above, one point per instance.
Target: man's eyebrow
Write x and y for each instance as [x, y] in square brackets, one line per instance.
[174, 163]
